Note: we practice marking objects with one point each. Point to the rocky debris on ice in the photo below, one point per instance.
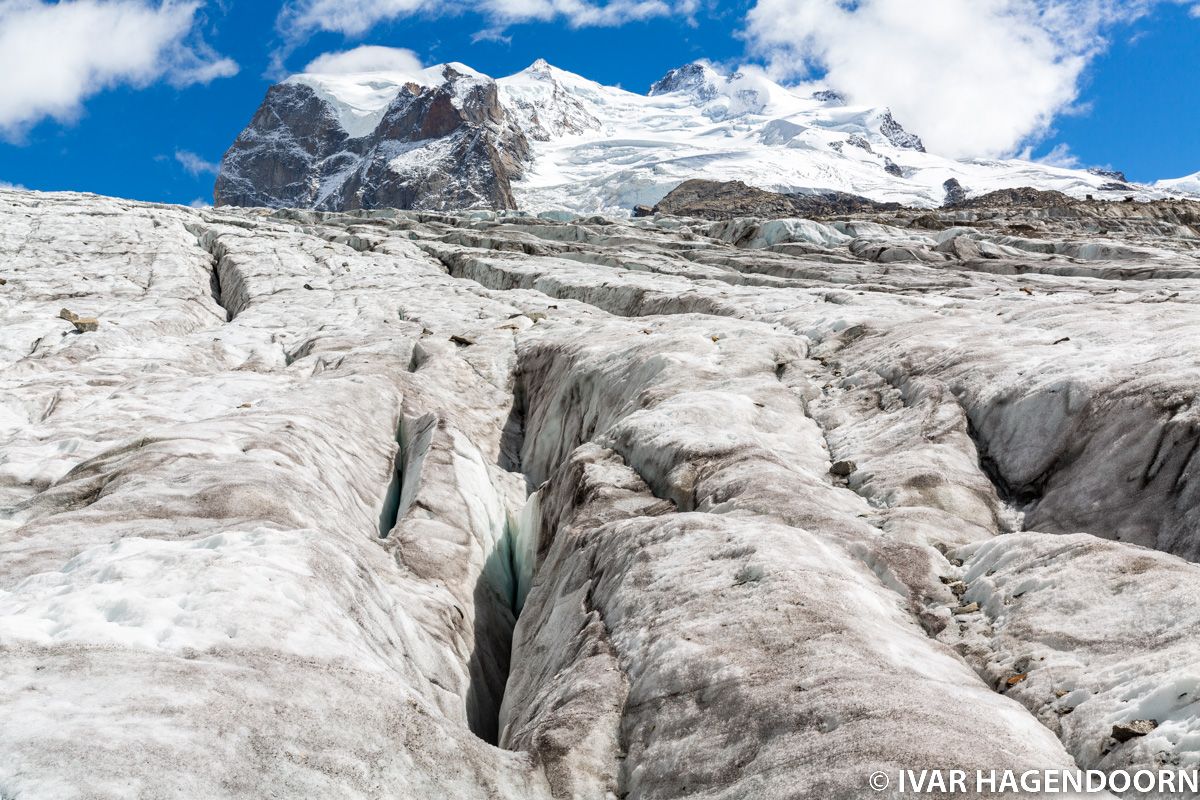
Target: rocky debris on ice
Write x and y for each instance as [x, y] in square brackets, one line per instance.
[843, 469]
[82, 324]
[512, 507]
[1123, 732]
[715, 200]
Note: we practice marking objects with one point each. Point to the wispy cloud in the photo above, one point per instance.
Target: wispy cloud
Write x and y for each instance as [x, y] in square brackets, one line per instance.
[196, 165]
[301, 18]
[1059, 156]
[972, 77]
[491, 35]
[53, 56]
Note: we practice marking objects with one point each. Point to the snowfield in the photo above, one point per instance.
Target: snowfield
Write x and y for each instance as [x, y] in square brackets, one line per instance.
[398, 504]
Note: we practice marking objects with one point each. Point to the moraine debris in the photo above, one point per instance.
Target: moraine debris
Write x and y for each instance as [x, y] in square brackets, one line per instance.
[843, 469]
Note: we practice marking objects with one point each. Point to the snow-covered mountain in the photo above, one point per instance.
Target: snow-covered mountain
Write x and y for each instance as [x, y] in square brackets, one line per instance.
[563, 142]
[437, 138]
[1189, 184]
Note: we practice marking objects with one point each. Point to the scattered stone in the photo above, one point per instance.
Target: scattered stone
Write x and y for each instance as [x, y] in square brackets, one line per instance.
[928, 222]
[751, 573]
[3, 281]
[462, 341]
[1013, 680]
[86, 324]
[68, 315]
[1061, 693]
[969, 608]
[961, 247]
[842, 469]
[643, 211]
[1063, 339]
[958, 587]
[308, 286]
[1125, 731]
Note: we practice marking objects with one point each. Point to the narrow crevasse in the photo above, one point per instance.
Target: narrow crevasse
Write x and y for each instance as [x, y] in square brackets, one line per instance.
[392, 500]
[228, 284]
[464, 520]
[683, 590]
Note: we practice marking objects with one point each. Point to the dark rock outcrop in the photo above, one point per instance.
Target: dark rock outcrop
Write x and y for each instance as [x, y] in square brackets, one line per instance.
[719, 200]
[955, 193]
[1024, 196]
[829, 96]
[1115, 174]
[895, 133]
[694, 78]
[451, 146]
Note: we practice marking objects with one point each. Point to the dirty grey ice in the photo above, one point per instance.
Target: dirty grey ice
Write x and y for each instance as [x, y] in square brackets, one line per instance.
[413, 505]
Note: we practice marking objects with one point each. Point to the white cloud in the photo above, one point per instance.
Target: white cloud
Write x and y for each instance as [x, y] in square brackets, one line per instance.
[1059, 156]
[199, 202]
[368, 58]
[493, 34]
[972, 77]
[53, 56]
[194, 164]
[7, 185]
[299, 18]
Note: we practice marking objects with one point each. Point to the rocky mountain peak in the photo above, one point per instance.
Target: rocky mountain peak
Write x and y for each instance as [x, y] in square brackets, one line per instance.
[829, 96]
[895, 133]
[540, 67]
[697, 78]
[439, 139]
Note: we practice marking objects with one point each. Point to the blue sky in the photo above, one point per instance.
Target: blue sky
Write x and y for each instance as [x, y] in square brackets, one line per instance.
[150, 125]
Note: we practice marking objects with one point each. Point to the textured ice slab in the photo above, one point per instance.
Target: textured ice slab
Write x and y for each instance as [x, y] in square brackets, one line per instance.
[270, 528]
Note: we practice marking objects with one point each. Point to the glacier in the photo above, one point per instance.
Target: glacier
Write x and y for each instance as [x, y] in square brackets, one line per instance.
[500, 505]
